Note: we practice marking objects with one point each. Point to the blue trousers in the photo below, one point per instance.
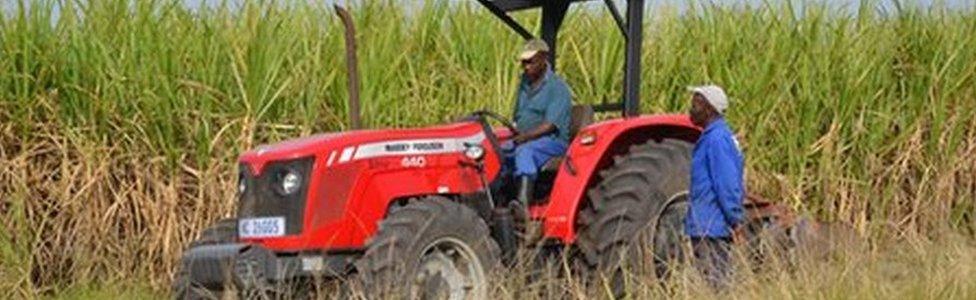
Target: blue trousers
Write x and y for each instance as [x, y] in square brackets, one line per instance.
[527, 158]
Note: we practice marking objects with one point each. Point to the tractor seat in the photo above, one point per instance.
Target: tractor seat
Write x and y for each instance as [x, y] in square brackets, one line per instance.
[581, 116]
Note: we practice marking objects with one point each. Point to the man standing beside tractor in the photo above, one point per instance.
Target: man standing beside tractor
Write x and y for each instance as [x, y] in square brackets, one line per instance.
[542, 117]
[717, 188]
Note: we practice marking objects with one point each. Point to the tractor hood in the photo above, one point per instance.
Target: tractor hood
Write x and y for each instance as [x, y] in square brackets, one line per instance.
[356, 144]
[287, 150]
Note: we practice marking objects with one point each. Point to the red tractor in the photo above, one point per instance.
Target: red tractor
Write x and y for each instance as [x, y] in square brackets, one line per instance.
[428, 210]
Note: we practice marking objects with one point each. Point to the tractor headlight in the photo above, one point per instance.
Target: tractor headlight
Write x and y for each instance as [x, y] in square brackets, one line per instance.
[290, 183]
[475, 152]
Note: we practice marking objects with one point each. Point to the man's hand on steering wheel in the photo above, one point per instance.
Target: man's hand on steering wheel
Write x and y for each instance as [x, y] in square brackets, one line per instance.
[520, 139]
[486, 114]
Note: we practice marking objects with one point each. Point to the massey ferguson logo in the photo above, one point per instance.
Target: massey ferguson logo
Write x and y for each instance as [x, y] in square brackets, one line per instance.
[396, 147]
[418, 147]
[413, 149]
[428, 146]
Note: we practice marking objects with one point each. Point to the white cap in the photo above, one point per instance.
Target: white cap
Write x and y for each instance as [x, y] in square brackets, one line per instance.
[531, 48]
[714, 95]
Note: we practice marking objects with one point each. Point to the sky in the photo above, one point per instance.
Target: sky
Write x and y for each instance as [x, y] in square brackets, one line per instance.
[851, 4]
[843, 5]
[684, 3]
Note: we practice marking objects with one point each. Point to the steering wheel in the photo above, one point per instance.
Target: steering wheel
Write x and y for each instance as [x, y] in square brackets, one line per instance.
[485, 114]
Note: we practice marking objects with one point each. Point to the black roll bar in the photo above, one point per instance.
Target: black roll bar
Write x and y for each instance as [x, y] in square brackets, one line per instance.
[553, 14]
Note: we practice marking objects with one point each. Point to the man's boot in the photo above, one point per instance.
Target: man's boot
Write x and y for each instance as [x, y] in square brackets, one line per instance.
[531, 230]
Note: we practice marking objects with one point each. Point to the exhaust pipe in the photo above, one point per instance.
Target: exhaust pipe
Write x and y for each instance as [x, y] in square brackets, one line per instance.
[351, 66]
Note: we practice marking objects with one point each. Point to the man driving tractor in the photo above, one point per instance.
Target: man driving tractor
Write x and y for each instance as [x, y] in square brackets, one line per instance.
[542, 117]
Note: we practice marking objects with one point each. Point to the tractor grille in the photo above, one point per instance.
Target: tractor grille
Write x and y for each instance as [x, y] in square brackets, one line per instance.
[263, 197]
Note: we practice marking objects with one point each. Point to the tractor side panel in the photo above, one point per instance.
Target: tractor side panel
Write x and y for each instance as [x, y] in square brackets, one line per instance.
[613, 138]
[392, 180]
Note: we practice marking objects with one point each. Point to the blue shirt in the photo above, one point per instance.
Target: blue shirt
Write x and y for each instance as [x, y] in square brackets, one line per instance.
[549, 102]
[717, 187]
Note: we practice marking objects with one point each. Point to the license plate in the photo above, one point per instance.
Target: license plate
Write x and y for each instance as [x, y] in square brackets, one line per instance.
[261, 227]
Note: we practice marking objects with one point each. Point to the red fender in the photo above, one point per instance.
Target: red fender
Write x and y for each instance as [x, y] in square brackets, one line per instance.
[578, 171]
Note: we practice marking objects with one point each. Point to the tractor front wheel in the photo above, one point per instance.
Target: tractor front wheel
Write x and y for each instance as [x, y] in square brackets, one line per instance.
[431, 248]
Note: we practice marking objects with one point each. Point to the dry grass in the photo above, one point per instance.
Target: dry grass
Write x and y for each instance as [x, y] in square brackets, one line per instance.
[894, 269]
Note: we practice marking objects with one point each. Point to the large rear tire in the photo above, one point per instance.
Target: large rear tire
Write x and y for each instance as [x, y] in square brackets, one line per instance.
[431, 248]
[221, 232]
[634, 214]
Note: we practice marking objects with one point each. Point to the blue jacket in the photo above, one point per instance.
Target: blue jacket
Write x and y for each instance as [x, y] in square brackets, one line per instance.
[717, 189]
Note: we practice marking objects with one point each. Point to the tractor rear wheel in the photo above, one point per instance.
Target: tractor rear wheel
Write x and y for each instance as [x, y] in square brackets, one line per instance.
[634, 216]
[221, 232]
[431, 248]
